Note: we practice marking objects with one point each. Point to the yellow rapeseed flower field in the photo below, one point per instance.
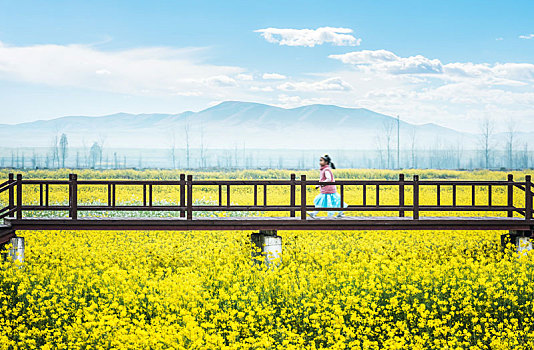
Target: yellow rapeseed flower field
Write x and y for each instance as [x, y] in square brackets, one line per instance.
[200, 290]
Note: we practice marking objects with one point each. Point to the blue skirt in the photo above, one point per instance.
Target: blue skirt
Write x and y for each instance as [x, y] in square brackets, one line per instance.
[328, 200]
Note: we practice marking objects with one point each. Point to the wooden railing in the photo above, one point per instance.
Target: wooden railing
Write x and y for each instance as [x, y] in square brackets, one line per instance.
[187, 206]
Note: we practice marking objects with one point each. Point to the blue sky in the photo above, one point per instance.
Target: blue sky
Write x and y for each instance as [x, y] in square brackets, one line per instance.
[448, 62]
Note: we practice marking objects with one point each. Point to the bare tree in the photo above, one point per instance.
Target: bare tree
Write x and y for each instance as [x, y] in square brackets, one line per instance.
[525, 155]
[101, 141]
[173, 148]
[63, 149]
[95, 155]
[85, 153]
[388, 127]
[510, 143]
[459, 152]
[186, 132]
[235, 155]
[202, 147]
[413, 135]
[34, 160]
[244, 155]
[55, 151]
[436, 153]
[379, 150]
[486, 139]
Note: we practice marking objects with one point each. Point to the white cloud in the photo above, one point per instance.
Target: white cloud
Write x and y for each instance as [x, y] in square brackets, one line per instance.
[245, 77]
[383, 61]
[261, 88]
[527, 37]
[103, 72]
[310, 37]
[220, 81]
[331, 84]
[152, 70]
[499, 39]
[273, 76]
[386, 61]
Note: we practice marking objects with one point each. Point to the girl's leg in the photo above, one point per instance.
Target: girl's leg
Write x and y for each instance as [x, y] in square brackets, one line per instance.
[335, 203]
[317, 202]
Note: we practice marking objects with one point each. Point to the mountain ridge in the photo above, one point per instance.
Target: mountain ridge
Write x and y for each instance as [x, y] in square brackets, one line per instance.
[231, 123]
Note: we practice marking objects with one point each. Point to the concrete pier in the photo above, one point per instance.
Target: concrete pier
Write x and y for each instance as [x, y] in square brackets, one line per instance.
[266, 247]
[16, 251]
[522, 240]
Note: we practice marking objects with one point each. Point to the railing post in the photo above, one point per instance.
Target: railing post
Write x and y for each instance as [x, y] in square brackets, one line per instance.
[510, 187]
[149, 195]
[109, 195]
[303, 197]
[73, 196]
[144, 195]
[11, 203]
[528, 197]
[182, 195]
[416, 197]
[19, 197]
[189, 197]
[292, 195]
[401, 194]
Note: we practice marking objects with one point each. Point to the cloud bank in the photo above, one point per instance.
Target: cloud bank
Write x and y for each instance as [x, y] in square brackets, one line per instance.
[152, 70]
[310, 37]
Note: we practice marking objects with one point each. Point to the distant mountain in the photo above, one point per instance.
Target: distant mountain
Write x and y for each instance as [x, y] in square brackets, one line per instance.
[236, 124]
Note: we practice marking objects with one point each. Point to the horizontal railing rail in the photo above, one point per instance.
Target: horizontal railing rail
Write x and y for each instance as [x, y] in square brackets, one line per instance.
[223, 202]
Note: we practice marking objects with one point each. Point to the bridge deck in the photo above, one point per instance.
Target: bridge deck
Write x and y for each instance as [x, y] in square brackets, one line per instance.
[518, 200]
[272, 223]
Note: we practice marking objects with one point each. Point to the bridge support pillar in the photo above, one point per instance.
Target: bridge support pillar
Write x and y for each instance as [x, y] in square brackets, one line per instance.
[266, 247]
[16, 252]
[522, 240]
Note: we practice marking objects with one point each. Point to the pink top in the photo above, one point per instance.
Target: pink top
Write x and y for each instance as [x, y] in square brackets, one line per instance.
[327, 176]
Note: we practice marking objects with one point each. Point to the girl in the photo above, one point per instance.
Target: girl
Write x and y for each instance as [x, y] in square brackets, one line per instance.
[328, 198]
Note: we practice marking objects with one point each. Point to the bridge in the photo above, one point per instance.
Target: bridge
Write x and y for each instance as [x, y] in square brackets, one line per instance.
[514, 215]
